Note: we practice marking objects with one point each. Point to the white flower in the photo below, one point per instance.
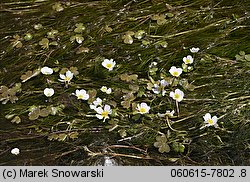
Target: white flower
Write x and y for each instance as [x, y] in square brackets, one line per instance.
[188, 60]
[82, 94]
[48, 92]
[15, 151]
[66, 78]
[194, 50]
[109, 64]
[97, 102]
[159, 87]
[103, 113]
[170, 113]
[106, 90]
[177, 95]
[175, 71]
[46, 70]
[143, 108]
[210, 121]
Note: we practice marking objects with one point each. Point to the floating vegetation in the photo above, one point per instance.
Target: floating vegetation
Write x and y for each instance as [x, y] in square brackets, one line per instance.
[9, 94]
[148, 81]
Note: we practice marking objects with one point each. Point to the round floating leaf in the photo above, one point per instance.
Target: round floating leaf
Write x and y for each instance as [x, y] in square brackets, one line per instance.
[54, 43]
[57, 7]
[16, 120]
[247, 57]
[38, 26]
[28, 37]
[125, 104]
[79, 28]
[127, 39]
[79, 39]
[44, 43]
[122, 133]
[164, 148]
[73, 135]
[170, 15]
[108, 29]
[139, 34]
[62, 136]
[45, 112]
[82, 50]
[74, 70]
[33, 115]
[161, 144]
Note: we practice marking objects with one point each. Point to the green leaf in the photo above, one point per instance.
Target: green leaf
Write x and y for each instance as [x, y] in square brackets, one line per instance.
[52, 34]
[33, 115]
[247, 57]
[79, 28]
[122, 133]
[127, 39]
[74, 70]
[73, 135]
[57, 7]
[139, 34]
[45, 112]
[44, 43]
[38, 26]
[16, 120]
[170, 15]
[82, 50]
[28, 37]
[242, 53]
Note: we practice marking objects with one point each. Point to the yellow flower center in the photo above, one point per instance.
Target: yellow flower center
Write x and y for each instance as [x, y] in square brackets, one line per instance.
[142, 110]
[105, 114]
[177, 96]
[210, 121]
[80, 96]
[175, 73]
[188, 61]
[67, 79]
[109, 65]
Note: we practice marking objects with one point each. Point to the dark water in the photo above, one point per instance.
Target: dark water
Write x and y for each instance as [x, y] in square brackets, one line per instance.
[219, 28]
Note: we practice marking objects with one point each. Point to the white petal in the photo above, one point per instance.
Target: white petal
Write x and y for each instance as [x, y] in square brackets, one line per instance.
[92, 106]
[62, 76]
[214, 118]
[69, 74]
[143, 104]
[99, 116]
[99, 110]
[86, 97]
[207, 116]
[171, 94]
[108, 91]
[164, 83]
[178, 91]
[107, 108]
